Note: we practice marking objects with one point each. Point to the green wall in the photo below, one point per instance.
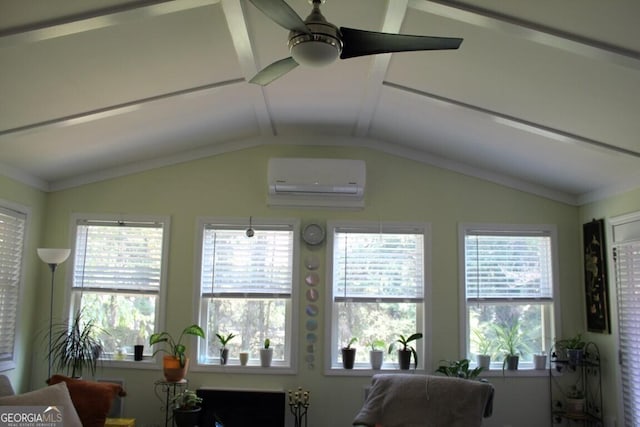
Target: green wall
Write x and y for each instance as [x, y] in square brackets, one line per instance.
[398, 189]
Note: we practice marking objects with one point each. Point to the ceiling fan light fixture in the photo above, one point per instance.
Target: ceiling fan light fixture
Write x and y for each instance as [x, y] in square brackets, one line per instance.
[315, 50]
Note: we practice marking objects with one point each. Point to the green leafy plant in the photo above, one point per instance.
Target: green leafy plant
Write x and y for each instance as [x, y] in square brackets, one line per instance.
[75, 346]
[376, 344]
[459, 369]
[511, 340]
[405, 345]
[176, 348]
[267, 343]
[350, 343]
[574, 343]
[485, 345]
[186, 400]
[224, 339]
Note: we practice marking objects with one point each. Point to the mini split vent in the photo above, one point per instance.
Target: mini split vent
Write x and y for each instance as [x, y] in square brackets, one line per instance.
[331, 183]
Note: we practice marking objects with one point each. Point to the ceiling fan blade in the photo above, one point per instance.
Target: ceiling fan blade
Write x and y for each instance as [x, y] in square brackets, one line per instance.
[360, 42]
[282, 14]
[274, 71]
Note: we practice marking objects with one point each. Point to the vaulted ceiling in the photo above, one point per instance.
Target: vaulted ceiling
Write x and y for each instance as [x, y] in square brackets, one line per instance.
[542, 95]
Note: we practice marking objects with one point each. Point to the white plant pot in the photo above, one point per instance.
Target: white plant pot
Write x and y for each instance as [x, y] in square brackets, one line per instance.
[266, 354]
[484, 361]
[540, 361]
[244, 358]
[376, 357]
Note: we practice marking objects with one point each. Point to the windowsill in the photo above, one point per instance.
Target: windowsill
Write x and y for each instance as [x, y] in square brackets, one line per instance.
[248, 369]
[494, 373]
[129, 363]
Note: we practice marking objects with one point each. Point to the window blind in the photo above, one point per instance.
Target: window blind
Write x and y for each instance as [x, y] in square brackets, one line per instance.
[504, 266]
[234, 265]
[378, 266]
[12, 231]
[627, 265]
[118, 256]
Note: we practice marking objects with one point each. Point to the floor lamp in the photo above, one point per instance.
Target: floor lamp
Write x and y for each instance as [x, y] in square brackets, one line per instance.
[53, 257]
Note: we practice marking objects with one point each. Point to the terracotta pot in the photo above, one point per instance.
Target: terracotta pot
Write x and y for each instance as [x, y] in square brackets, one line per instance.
[173, 372]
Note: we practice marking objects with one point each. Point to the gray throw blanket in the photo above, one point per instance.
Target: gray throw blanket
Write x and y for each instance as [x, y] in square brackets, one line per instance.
[412, 400]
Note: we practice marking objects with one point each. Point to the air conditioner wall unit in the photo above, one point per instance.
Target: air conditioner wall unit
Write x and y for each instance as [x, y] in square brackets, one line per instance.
[302, 182]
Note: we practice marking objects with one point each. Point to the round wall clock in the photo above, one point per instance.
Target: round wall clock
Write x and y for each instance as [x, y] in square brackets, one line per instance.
[313, 234]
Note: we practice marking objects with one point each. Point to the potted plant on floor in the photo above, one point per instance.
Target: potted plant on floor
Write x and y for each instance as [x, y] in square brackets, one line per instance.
[349, 354]
[511, 341]
[376, 353]
[175, 363]
[186, 410]
[266, 353]
[224, 351]
[75, 347]
[405, 353]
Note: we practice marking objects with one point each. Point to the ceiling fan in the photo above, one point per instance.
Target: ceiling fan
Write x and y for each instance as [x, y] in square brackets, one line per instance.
[317, 42]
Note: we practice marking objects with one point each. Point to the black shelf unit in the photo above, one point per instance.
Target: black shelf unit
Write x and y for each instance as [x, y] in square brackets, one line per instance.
[568, 375]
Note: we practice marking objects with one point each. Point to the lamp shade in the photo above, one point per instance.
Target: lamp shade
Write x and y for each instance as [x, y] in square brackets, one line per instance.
[53, 255]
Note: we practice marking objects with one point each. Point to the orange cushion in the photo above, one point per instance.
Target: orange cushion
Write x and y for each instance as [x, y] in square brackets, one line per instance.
[91, 399]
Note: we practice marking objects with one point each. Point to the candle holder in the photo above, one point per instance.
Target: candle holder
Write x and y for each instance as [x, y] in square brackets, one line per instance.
[298, 405]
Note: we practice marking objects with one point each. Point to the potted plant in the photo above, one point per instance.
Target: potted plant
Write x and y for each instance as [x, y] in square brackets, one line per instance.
[75, 346]
[485, 348]
[266, 354]
[224, 351]
[459, 369]
[349, 354]
[512, 342]
[376, 353]
[404, 353]
[175, 363]
[186, 410]
[574, 348]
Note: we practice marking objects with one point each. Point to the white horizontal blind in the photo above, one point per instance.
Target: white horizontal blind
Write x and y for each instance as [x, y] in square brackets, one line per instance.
[12, 231]
[118, 256]
[627, 265]
[502, 266]
[234, 265]
[378, 266]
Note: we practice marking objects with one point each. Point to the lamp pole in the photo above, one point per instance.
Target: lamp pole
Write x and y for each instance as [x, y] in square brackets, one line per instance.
[53, 271]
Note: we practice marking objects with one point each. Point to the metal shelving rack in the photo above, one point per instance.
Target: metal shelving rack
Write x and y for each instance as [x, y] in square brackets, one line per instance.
[583, 375]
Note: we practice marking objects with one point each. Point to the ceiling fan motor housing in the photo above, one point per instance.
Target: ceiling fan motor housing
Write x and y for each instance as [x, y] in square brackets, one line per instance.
[321, 47]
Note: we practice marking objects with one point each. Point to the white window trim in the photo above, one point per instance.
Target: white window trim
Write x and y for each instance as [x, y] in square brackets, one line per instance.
[423, 346]
[147, 363]
[292, 369]
[26, 211]
[524, 370]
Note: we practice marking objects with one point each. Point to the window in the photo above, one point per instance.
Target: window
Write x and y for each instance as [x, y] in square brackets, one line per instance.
[378, 287]
[626, 254]
[12, 244]
[247, 289]
[118, 277]
[510, 281]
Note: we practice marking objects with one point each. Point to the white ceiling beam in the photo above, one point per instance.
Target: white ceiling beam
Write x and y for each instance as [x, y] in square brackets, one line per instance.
[531, 31]
[237, 23]
[97, 19]
[393, 18]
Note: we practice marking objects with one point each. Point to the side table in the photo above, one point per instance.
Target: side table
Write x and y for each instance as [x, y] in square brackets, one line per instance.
[165, 392]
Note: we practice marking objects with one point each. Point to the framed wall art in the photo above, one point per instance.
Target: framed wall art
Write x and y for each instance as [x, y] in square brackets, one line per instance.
[595, 277]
